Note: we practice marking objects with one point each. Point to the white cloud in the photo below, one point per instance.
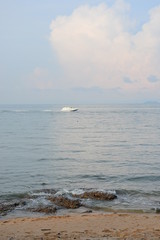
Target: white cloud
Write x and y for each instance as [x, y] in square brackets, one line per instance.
[39, 79]
[96, 47]
[39, 72]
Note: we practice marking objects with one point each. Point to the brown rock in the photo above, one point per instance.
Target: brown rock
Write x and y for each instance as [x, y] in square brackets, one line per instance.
[65, 202]
[157, 210]
[5, 208]
[96, 195]
[47, 209]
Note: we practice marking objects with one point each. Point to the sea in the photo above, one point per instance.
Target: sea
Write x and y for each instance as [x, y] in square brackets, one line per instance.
[47, 153]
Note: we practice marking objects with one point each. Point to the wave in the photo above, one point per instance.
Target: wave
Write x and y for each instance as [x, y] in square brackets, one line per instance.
[38, 200]
[14, 111]
[146, 178]
[28, 111]
[102, 177]
[56, 159]
[49, 201]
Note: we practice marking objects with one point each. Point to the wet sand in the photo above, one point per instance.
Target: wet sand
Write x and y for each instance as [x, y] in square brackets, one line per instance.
[83, 226]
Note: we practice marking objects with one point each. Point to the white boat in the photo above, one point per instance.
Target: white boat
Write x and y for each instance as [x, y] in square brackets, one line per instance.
[69, 109]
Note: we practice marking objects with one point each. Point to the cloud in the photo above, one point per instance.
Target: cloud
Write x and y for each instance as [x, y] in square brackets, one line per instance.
[153, 79]
[128, 80]
[40, 79]
[87, 90]
[96, 47]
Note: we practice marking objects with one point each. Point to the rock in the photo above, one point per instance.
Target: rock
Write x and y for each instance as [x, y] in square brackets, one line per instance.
[65, 202]
[23, 203]
[5, 208]
[47, 209]
[157, 210]
[96, 195]
[88, 211]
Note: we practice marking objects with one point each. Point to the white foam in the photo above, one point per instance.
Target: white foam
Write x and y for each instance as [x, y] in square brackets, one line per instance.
[77, 191]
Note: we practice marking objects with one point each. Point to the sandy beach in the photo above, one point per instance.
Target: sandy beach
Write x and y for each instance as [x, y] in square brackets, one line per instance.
[83, 226]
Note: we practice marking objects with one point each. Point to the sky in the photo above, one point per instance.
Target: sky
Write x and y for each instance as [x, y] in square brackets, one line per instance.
[79, 52]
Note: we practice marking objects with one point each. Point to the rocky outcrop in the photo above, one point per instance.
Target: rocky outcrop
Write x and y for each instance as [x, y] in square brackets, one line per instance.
[5, 208]
[65, 202]
[72, 203]
[47, 209]
[97, 195]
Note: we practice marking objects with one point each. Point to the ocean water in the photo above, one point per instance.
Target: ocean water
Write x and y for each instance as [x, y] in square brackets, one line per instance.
[107, 148]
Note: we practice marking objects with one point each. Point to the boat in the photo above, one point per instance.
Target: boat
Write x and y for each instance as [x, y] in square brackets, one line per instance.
[69, 109]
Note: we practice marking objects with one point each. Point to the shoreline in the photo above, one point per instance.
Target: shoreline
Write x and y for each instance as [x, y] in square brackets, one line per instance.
[83, 226]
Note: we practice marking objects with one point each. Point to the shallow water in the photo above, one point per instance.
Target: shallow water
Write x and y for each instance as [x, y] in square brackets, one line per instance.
[107, 148]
